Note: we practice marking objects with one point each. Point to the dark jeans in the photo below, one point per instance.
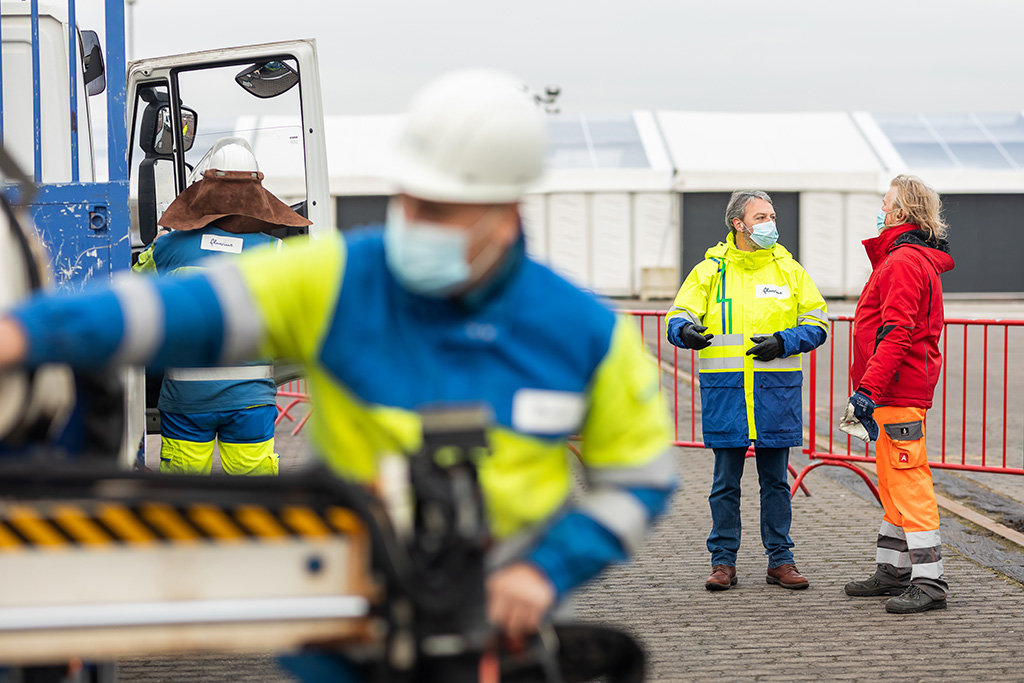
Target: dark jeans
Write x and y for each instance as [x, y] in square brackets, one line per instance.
[776, 511]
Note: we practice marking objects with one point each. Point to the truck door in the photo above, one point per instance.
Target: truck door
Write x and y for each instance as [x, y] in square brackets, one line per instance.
[179, 106]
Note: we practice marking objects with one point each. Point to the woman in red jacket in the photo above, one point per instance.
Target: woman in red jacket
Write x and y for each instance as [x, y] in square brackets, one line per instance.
[896, 362]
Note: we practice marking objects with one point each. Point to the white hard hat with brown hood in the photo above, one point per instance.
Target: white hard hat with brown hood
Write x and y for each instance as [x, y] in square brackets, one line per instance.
[231, 193]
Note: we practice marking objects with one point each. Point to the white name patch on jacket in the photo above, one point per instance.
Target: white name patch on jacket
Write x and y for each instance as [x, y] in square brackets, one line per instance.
[771, 291]
[230, 245]
[547, 412]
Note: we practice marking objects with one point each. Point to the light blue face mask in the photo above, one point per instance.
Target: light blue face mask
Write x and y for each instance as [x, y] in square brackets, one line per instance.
[880, 219]
[426, 258]
[764, 235]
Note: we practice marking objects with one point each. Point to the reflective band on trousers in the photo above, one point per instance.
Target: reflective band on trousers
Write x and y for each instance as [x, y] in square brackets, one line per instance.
[231, 373]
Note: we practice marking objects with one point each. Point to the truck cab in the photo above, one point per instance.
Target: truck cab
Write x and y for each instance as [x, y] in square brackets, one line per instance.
[163, 114]
[179, 106]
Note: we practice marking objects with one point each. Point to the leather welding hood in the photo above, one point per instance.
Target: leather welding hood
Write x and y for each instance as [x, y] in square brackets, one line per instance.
[236, 200]
[33, 402]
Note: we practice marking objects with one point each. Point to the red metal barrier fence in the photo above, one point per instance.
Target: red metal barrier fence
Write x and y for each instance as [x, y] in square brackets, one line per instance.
[289, 396]
[977, 421]
[979, 402]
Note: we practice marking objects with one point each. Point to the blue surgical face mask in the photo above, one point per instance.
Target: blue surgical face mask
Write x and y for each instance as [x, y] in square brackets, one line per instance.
[764, 235]
[426, 258]
[880, 219]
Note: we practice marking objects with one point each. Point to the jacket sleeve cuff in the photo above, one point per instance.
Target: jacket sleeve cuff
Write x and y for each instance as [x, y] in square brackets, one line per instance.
[801, 339]
[674, 331]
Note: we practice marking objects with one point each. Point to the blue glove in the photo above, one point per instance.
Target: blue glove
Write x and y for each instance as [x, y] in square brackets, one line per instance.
[861, 408]
[687, 335]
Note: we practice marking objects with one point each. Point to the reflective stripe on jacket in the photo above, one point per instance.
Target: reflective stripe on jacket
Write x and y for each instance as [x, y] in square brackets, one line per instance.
[737, 295]
[899, 318]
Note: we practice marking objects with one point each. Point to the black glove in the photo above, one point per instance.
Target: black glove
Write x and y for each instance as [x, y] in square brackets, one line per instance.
[766, 348]
[693, 337]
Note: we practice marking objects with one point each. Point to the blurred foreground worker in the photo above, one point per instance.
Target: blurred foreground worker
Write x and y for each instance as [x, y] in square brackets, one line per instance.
[222, 214]
[896, 363]
[750, 310]
[443, 305]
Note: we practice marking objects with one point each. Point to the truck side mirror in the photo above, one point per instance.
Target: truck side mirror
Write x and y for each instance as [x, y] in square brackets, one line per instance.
[163, 133]
[268, 79]
[94, 72]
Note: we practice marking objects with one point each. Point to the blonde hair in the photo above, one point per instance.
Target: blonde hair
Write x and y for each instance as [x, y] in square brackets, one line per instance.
[920, 205]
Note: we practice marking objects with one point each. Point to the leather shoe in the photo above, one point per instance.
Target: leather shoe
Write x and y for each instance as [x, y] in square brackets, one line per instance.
[787, 576]
[723, 577]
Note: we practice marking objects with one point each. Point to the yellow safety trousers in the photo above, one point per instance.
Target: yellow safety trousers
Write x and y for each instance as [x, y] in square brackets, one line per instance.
[193, 457]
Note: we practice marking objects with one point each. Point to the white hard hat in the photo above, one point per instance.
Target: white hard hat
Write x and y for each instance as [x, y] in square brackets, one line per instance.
[227, 154]
[472, 136]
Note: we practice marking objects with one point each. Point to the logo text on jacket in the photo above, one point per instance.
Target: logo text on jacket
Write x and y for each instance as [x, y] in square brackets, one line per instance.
[230, 245]
[771, 291]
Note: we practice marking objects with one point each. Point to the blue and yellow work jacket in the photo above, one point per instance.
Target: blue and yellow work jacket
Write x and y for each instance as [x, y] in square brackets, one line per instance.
[739, 294]
[550, 360]
[213, 389]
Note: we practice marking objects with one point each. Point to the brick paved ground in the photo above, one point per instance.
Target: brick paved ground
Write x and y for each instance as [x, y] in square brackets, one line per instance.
[762, 632]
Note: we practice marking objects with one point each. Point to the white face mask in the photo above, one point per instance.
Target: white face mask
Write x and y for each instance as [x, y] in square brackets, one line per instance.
[431, 259]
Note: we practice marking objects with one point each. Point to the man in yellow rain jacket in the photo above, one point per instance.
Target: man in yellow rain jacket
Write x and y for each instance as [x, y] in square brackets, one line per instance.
[751, 310]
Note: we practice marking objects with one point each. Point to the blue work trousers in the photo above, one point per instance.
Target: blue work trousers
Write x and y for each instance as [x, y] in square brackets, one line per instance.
[776, 510]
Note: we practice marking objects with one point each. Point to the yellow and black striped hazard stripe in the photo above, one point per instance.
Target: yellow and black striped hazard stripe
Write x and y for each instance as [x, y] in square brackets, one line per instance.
[104, 524]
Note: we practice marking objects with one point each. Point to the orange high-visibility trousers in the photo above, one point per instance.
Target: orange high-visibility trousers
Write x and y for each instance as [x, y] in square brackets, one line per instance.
[909, 536]
[904, 478]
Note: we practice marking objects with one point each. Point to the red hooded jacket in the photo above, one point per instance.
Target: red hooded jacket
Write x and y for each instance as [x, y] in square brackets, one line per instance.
[896, 328]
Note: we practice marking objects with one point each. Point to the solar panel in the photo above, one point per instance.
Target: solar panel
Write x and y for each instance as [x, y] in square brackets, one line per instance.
[956, 141]
[595, 142]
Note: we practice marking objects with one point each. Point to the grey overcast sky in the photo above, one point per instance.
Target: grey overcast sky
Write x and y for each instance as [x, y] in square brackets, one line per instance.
[615, 56]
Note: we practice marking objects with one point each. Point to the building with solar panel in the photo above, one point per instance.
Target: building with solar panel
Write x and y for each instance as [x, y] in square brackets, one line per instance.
[631, 202]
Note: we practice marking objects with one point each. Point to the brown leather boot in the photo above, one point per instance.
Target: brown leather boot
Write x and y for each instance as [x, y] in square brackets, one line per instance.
[723, 577]
[787, 576]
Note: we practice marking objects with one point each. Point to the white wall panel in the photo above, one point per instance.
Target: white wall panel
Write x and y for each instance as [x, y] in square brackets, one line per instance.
[535, 224]
[655, 233]
[611, 243]
[861, 210]
[822, 240]
[568, 243]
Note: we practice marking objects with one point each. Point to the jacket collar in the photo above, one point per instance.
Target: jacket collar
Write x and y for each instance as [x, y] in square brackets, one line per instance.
[908, 234]
[748, 260]
[475, 299]
[877, 247]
